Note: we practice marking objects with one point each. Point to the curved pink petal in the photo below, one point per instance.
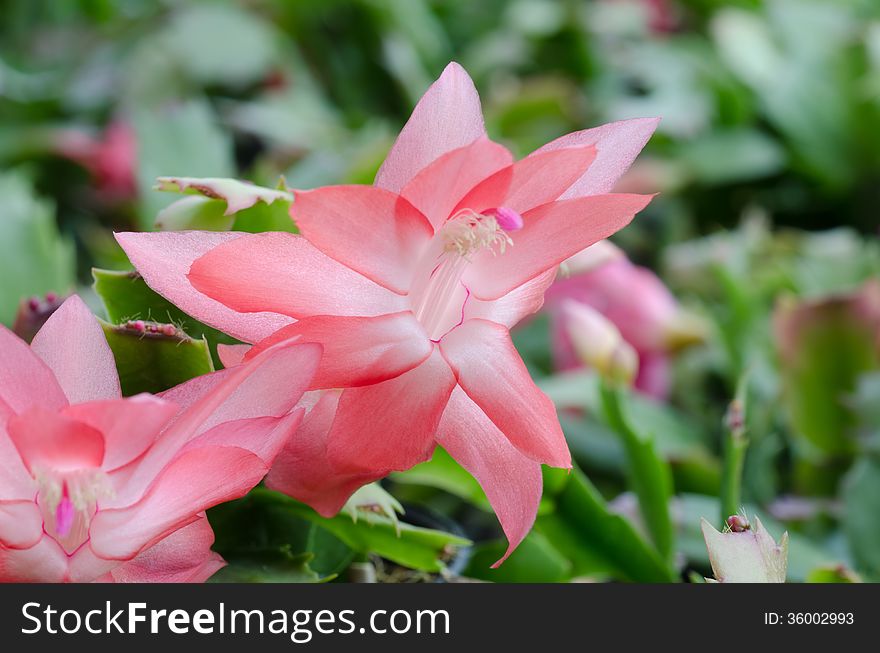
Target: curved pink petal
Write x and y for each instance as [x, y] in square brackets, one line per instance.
[72, 344]
[512, 482]
[358, 350]
[185, 556]
[21, 524]
[262, 436]
[15, 480]
[269, 385]
[86, 567]
[390, 425]
[302, 469]
[447, 117]
[45, 562]
[164, 260]
[25, 380]
[516, 305]
[368, 229]
[129, 426]
[285, 273]
[194, 481]
[440, 186]
[551, 234]
[232, 355]
[617, 144]
[538, 179]
[490, 371]
[51, 441]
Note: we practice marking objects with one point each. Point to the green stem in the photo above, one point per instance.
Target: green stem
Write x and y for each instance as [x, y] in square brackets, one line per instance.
[735, 445]
[650, 476]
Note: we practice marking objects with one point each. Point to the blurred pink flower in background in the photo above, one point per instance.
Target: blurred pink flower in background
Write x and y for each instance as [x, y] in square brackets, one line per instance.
[111, 157]
[97, 487]
[634, 299]
[411, 286]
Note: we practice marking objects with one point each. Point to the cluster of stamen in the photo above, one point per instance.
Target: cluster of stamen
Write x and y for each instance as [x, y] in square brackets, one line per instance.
[74, 494]
[468, 232]
[463, 235]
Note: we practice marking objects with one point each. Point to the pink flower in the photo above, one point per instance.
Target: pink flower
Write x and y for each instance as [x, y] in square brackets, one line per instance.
[411, 286]
[635, 300]
[110, 157]
[97, 487]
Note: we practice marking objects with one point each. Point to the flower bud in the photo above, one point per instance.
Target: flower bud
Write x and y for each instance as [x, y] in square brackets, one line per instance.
[746, 554]
[598, 343]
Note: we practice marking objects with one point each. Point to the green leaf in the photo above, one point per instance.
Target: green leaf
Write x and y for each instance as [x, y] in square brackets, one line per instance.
[219, 204]
[732, 156]
[833, 574]
[535, 560]
[443, 473]
[152, 361]
[861, 519]
[269, 567]
[34, 258]
[649, 475]
[677, 437]
[258, 532]
[407, 545]
[221, 44]
[595, 540]
[185, 140]
[825, 345]
[126, 296]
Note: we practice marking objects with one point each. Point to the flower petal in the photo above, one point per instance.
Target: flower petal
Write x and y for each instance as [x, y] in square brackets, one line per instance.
[267, 386]
[262, 436]
[438, 188]
[538, 179]
[50, 440]
[391, 425]
[185, 556]
[45, 562]
[285, 273]
[490, 371]
[617, 145]
[73, 345]
[512, 482]
[129, 426]
[194, 481]
[25, 380]
[358, 350]
[551, 234]
[368, 229]
[516, 305]
[232, 355]
[447, 117]
[164, 260]
[302, 469]
[21, 524]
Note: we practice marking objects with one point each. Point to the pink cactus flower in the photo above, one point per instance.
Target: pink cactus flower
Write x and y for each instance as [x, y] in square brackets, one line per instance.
[111, 157]
[411, 285]
[634, 299]
[94, 487]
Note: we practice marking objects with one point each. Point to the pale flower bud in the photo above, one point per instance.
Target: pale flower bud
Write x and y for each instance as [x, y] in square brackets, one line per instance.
[598, 343]
[746, 554]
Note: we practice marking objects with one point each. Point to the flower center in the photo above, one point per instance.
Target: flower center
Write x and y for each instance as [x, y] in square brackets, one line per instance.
[439, 304]
[68, 502]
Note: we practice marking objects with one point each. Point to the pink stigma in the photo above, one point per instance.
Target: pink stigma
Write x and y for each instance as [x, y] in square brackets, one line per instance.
[507, 219]
[64, 515]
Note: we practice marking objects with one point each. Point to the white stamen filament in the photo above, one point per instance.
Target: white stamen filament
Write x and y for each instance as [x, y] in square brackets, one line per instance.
[465, 234]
